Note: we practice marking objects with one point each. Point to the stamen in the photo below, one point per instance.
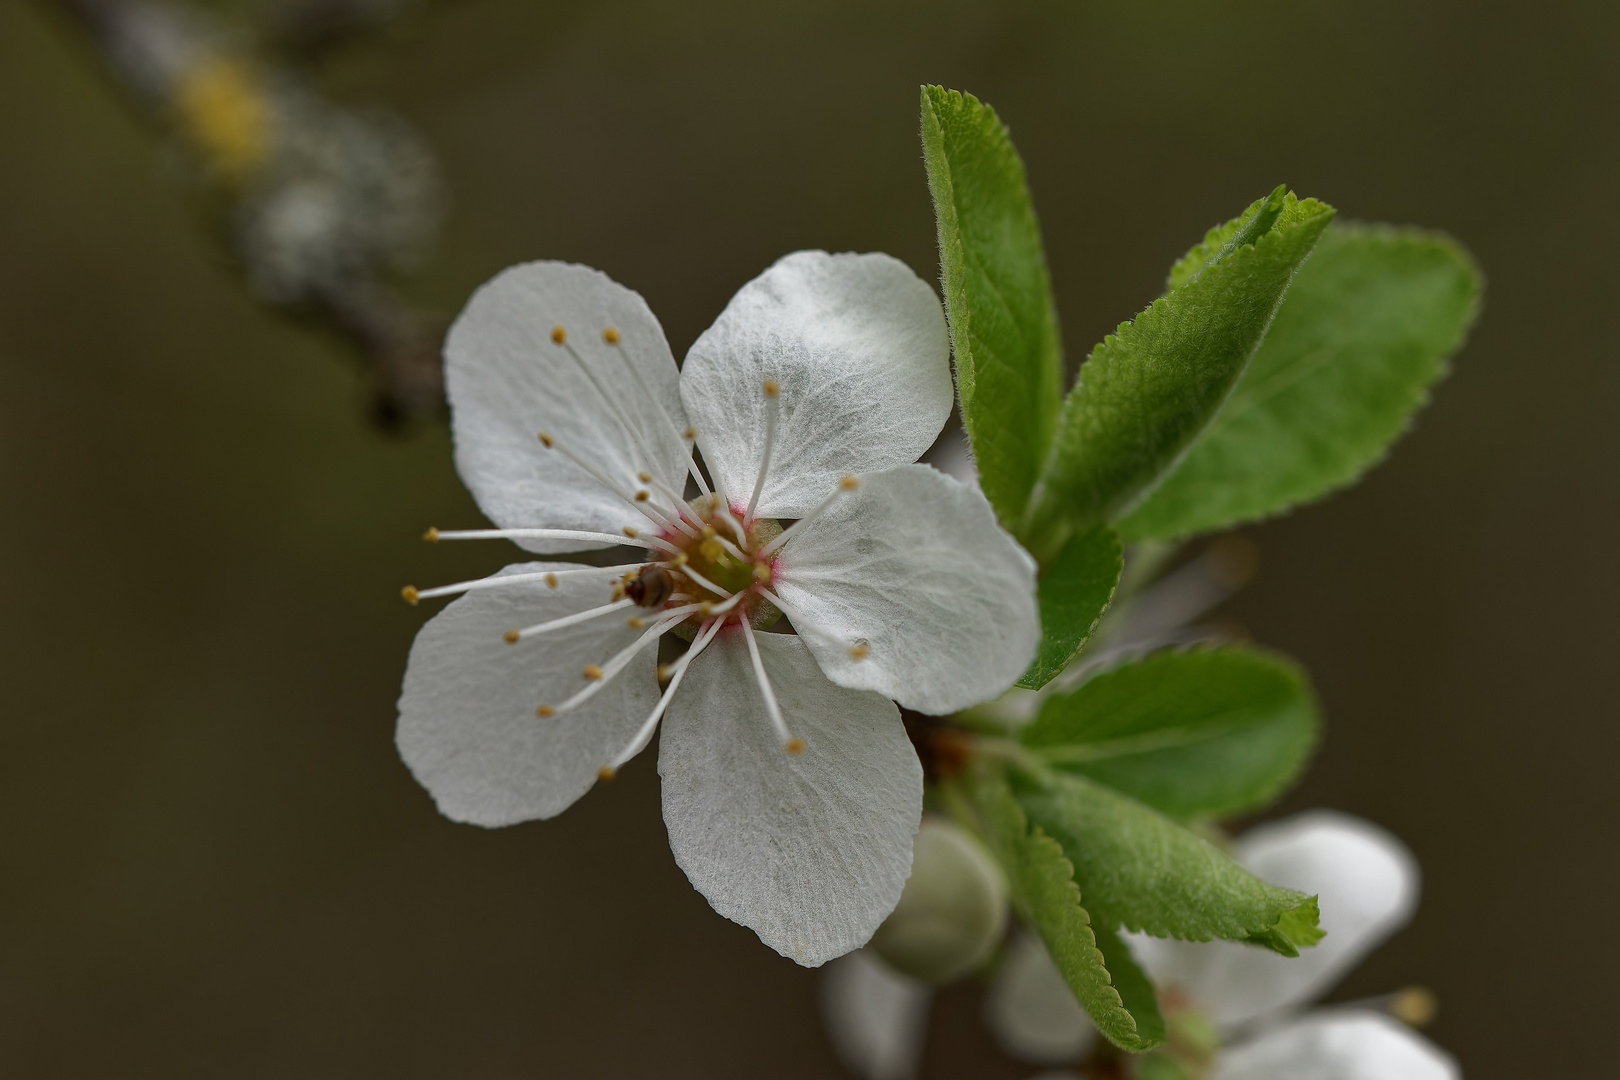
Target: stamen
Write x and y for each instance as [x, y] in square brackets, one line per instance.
[772, 407]
[558, 335]
[802, 623]
[632, 430]
[610, 336]
[636, 540]
[617, 663]
[677, 672]
[848, 483]
[703, 581]
[514, 636]
[601, 477]
[550, 577]
[771, 707]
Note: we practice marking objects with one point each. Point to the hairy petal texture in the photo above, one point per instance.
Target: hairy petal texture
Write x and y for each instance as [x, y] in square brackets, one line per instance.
[467, 723]
[914, 565]
[857, 345]
[812, 850]
[618, 406]
[1367, 884]
[1350, 1045]
[876, 1018]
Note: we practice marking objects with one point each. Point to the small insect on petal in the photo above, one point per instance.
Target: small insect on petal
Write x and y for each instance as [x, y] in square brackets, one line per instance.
[410, 595]
[592, 672]
[794, 746]
[544, 711]
[558, 335]
[611, 336]
[511, 637]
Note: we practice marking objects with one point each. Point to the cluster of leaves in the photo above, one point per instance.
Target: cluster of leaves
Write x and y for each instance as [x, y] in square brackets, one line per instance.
[1286, 355]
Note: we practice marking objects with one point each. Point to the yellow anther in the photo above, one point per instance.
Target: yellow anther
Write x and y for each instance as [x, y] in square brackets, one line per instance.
[1415, 1006]
[544, 711]
[224, 109]
[606, 773]
[634, 622]
[711, 550]
[859, 652]
[592, 672]
[771, 388]
[611, 336]
[849, 483]
[644, 477]
[643, 496]
[618, 590]
[689, 434]
[705, 609]
[545, 440]
[631, 533]
[794, 745]
[708, 532]
[762, 573]
[679, 560]
[664, 672]
[511, 637]
[558, 335]
[409, 593]
[431, 536]
[551, 581]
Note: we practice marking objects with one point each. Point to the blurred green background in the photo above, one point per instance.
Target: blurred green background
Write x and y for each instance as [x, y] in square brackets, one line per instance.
[214, 862]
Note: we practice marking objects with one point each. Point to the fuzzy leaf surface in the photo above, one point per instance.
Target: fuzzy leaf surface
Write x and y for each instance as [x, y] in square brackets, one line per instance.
[1140, 870]
[1210, 731]
[1365, 330]
[1043, 887]
[1074, 591]
[1004, 331]
[1151, 388]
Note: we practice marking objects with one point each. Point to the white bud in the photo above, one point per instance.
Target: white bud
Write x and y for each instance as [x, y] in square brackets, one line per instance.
[953, 911]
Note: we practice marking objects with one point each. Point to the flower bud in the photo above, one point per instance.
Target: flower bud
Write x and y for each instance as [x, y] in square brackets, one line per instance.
[953, 910]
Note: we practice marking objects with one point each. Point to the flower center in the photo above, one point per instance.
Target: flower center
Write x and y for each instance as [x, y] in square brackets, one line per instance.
[718, 564]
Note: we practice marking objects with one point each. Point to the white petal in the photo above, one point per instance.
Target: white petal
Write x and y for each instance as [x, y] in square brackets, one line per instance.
[1031, 1011]
[876, 1017]
[1367, 881]
[1349, 1045]
[810, 850]
[467, 723]
[913, 564]
[507, 381]
[858, 346]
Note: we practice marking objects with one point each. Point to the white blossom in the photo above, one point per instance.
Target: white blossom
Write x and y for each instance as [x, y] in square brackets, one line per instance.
[1367, 881]
[790, 791]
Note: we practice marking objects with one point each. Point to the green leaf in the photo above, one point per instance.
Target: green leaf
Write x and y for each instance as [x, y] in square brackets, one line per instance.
[1004, 331]
[1135, 989]
[1074, 591]
[1151, 388]
[1043, 887]
[1212, 731]
[1365, 330]
[1140, 870]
